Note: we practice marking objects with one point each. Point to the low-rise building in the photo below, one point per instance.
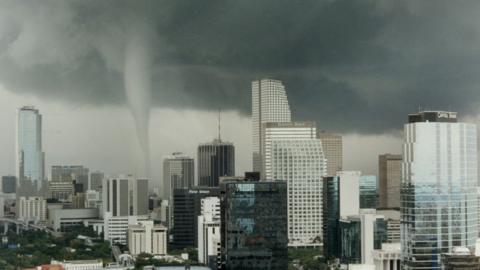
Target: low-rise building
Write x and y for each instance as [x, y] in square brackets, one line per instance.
[115, 228]
[66, 219]
[32, 209]
[461, 258]
[388, 258]
[145, 237]
[80, 264]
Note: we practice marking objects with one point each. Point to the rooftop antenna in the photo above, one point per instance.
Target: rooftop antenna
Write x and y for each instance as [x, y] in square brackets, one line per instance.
[219, 124]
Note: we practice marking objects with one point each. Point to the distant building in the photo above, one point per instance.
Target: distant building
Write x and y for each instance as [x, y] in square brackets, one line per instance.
[80, 264]
[65, 220]
[393, 224]
[145, 237]
[269, 104]
[209, 244]
[332, 145]
[439, 195]
[61, 190]
[124, 196]
[77, 174]
[96, 180]
[254, 229]
[186, 209]
[388, 257]
[360, 235]
[339, 193]
[215, 159]
[301, 164]
[389, 180]
[116, 227]
[32, 209]
[9, 184]
[93, 199]
[461, 258]
[368, 192]
[178, 172]
[30, 158]
[273, 132]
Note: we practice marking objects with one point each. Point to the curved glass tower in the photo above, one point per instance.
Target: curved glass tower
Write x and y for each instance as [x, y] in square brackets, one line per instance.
[438, 200]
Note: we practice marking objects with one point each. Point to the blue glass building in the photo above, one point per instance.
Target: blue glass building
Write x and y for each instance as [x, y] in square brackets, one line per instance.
[254, 225]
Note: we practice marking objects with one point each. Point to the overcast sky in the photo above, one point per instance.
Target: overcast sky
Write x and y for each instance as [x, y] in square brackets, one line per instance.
[355, 67]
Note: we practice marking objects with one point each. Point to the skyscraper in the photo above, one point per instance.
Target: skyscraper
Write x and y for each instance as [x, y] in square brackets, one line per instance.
[125, 196]
[215, 159]
[178, 172]
[254, 225]
[301, 163]
[269, 104]
[438, 203]
[389, 180]
[281, 131]
[30, 159]
[332, 145]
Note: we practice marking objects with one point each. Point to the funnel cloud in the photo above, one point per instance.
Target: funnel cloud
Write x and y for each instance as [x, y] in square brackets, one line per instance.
[352, 66]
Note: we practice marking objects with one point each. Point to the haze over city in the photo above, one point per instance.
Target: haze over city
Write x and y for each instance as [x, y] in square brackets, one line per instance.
[169, 98]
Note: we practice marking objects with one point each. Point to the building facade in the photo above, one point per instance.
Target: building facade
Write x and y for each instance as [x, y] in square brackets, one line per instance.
[32, 209]
[115, 228]
[145, 237]
[332, 145]
[9, 184]
[339, 193]
[360, 235]
[269, 104]
[209, 243]
[70, 173]
[30, 158]
[388, 257]
[302, 164]
[186, 209]
[215, 159]
[96, 181]
[368, 192]
[125, 195]
[254, 229]
[178, 172]
[280, 131]
[439, 200]
[389, 180]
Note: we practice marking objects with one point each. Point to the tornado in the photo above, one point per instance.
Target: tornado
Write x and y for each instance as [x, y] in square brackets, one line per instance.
[137, 80]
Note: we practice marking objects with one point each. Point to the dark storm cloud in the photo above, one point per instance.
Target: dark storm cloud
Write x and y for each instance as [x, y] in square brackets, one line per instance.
[349, 65]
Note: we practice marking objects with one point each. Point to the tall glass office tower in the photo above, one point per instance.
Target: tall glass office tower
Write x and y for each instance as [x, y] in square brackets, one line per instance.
[438, 200]
[30, 159]
[269, 104]
[178, 172]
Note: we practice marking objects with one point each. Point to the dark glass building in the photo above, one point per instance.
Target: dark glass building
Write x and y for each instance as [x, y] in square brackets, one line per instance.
[254, 225]
[368, 192]
[9, 184]
[215, 159]
[331, 217]
[186, 209]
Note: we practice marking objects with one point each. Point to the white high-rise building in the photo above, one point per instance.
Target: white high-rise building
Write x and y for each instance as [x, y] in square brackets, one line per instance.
[32, 209]
[116, 227]
[285, 132]
[145, 237]
[209, 243]
[125, 196]
[269, 104]
[302, 164]
[30, 158]
[439, 195]
[178, 172]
